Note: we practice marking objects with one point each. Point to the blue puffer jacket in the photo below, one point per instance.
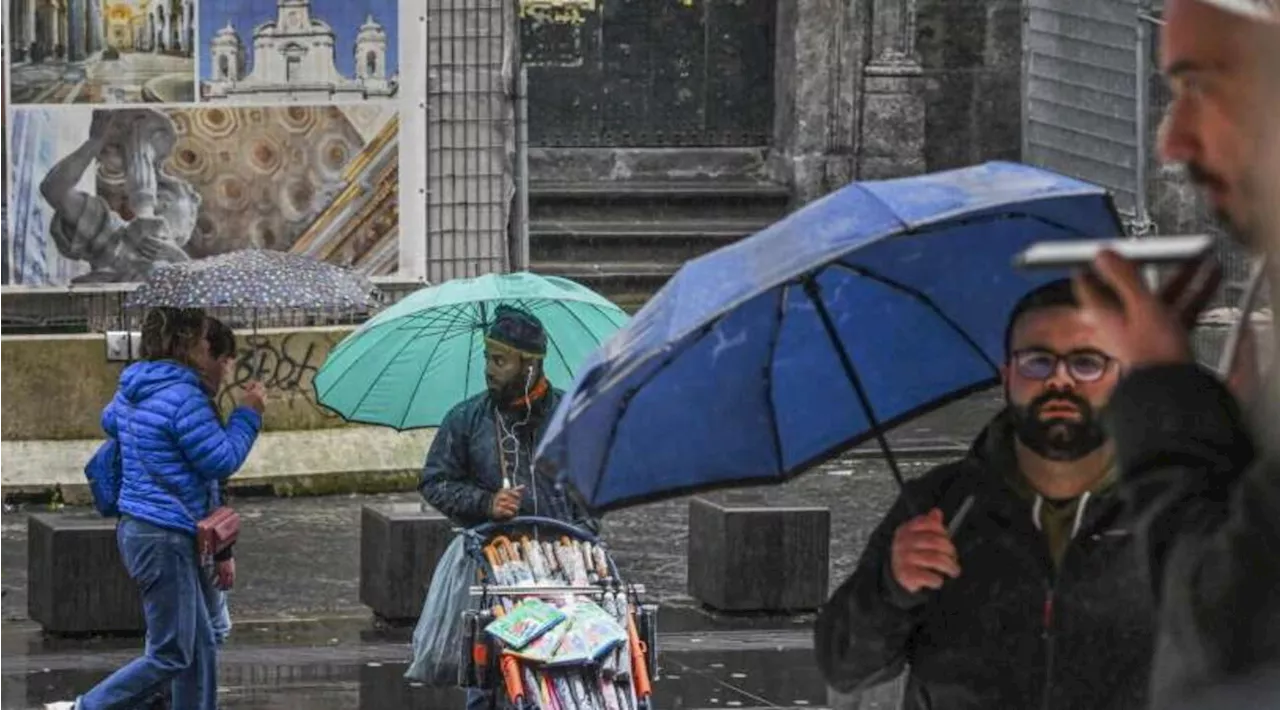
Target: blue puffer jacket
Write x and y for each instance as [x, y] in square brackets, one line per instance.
[169, 431]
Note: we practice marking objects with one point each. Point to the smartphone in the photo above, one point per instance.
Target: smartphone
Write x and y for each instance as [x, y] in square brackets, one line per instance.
[1146, 250]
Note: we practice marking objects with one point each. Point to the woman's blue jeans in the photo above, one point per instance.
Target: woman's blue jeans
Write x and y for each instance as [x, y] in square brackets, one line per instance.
[180, 647]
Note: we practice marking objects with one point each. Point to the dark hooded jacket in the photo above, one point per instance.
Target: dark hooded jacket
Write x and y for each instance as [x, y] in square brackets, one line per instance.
[1014, 630]
[1209, 510]
[463, 470]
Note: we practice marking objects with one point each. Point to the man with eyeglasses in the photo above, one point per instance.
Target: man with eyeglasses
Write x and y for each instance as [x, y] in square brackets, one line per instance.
[1012, 584]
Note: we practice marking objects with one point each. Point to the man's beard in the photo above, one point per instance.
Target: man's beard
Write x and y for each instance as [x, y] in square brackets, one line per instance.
[1058, 439]
[1239, 227]
[510, 391]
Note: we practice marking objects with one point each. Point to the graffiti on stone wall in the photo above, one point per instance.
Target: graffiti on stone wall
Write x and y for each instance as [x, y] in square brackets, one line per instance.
[560, 12]
[285, 366]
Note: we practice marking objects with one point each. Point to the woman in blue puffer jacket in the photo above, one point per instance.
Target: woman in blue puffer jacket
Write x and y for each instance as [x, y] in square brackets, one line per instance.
[174, 449]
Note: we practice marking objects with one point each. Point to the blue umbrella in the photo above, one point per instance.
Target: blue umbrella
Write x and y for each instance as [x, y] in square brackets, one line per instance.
[859, 312]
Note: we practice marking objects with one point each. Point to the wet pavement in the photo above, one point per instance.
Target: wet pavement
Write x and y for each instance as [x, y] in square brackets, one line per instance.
[361, 668]
[303, 640]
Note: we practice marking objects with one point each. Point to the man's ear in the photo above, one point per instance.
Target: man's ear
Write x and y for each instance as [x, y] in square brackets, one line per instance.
[1004, 375]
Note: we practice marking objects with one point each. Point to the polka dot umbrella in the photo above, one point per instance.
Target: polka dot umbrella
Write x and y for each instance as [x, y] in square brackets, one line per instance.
[256, 279]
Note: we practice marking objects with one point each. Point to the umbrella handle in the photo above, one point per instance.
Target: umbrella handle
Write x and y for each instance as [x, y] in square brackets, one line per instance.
[485, 530]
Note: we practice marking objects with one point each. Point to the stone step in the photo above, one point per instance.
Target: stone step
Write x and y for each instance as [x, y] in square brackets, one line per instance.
[627, 283]
[666, 242]
[648, 200]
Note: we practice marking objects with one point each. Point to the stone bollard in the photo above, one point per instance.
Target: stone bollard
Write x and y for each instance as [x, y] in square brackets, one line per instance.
[76, 581]
[399, 547]
[758, 558]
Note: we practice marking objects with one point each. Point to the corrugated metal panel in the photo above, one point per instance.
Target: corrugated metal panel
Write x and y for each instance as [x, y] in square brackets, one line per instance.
[1080, 92]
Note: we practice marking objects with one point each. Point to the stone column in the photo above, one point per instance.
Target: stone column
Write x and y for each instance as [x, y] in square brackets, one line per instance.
[93, 26]
[189, 21]
[182, 28]
[25, 31]
[893, 126]
[60, 30]
[167, 33]
[821, 48]
[77, 27]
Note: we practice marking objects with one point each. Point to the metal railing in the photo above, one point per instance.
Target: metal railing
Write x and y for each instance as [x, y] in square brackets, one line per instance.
[98, 309]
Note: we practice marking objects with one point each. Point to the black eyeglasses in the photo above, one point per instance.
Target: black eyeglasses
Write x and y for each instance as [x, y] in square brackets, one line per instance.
[1040, 364]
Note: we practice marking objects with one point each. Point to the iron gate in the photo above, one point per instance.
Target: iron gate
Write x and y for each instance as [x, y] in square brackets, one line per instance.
[649, 73]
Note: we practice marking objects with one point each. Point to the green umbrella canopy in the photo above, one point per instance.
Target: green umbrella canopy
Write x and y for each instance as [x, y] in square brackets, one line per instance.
[409, 365]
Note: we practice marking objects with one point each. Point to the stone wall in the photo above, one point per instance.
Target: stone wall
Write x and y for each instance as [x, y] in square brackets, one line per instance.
[55, 386]
[863, 89]
[971, 55]
[873, 89]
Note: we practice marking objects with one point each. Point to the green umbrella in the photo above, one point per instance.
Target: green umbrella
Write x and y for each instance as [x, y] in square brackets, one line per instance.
[409, 365]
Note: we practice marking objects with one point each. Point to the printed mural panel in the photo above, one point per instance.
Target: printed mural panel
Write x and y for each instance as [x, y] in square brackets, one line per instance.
[103, 195]
[4, 149]
[263, 51]
[247, 124]
[101, 51]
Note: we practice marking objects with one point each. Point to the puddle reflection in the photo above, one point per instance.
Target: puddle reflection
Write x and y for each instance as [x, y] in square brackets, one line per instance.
[690, 680]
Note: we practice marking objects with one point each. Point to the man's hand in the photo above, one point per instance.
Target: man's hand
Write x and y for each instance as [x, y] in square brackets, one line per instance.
[1136, 326]
[506, 503]
[255, 396]
[225, 574]
[923, 554]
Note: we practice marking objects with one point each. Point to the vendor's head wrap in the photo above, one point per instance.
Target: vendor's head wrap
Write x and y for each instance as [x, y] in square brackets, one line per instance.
[517, 331]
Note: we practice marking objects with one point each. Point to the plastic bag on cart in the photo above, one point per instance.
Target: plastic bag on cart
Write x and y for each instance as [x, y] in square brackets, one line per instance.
[438, 637]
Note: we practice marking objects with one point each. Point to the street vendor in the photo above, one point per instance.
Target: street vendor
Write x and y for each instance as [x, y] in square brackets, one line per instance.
[480, 466]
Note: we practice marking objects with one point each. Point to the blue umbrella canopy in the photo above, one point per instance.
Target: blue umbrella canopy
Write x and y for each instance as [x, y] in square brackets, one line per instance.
[863, 310]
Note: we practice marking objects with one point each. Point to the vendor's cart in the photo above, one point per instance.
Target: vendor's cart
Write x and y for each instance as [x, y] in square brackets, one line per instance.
[592, 648]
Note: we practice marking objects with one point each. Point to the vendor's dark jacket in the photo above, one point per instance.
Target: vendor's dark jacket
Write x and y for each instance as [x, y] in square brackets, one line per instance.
[463, 468]
[1209, 506]
[1014, 630]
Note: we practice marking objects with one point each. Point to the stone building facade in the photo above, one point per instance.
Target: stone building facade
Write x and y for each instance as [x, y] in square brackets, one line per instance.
[859, 89]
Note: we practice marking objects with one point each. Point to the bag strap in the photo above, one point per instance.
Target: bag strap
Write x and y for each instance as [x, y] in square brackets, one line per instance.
[169, 488]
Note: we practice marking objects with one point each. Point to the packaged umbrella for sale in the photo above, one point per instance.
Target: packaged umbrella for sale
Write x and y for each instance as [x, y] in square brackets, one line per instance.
[591, 634]
[543, 649]
[527, 621]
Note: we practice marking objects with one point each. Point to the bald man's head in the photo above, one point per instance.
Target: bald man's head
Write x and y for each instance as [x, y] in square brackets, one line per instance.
[1219, 58]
